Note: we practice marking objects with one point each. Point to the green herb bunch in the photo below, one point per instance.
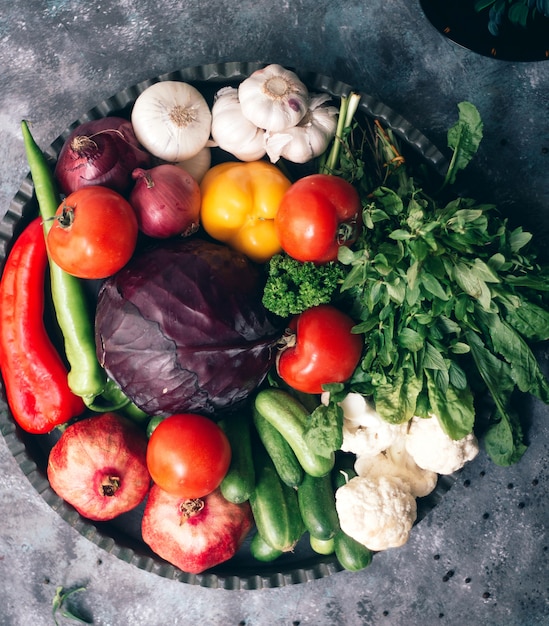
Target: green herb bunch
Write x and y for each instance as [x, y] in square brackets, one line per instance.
[448, 297]
[517, 12]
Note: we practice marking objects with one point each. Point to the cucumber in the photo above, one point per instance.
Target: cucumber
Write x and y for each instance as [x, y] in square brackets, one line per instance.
[262, 551]
[274, 505]
[285, 461]
[239, 482]
[322, 546]
[290, 417]
[351, 554]
[316, 501]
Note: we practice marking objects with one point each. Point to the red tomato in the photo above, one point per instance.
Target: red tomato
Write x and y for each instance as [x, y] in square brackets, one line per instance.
[325, 351]
[95, 233]
[188, 455]
[316, 215]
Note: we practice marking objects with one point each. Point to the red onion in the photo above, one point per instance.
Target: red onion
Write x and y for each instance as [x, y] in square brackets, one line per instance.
[166, 200]
[100, 152]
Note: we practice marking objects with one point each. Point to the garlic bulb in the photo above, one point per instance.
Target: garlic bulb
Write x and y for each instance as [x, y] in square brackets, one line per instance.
[273, 98]
[233, 132]
[197, 165]
[172, 120]
[310, 138]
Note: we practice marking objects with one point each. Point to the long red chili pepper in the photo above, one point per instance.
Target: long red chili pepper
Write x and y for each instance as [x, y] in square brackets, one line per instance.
[35, 377]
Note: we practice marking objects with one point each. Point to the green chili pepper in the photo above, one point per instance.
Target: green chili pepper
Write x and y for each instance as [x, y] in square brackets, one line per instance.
[86, 377]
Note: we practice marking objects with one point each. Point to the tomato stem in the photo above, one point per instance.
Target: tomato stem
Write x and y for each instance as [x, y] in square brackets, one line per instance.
[67, 216]
[347, 231]
[288, 339]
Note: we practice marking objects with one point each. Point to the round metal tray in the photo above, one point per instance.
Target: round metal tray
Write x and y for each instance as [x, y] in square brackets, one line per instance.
[121, 536]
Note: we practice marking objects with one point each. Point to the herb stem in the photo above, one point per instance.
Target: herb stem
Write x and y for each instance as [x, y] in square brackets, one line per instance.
[347, 110]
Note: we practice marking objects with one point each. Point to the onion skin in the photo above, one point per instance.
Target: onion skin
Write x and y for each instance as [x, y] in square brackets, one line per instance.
[182, 328]
[166, 200]
[100, 152]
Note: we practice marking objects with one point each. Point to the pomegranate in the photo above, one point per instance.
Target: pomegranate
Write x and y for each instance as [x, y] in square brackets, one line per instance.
[196, 534]
[99, 466]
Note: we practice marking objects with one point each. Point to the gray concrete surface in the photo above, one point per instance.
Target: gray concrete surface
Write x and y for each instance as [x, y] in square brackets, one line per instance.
[480, 558]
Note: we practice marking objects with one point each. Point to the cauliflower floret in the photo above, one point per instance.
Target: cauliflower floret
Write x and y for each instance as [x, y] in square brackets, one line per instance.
[432, 449]
[365, 432]
[396, 462]
[377, 512]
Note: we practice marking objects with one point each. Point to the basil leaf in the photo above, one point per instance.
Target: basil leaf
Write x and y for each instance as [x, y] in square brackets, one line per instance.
[345, 255]
[454, 408]
[530, 320]
[324, 432]
[525, 369]
[389, 200]
[396, 290]
[354, 278]
[464, 138]
[433, 286]
[457, 376]
[518, 239]
[539, 283]
[395, 401]
[472, 284]
[401, 235]
[485, 272]
[410, 340]
[503, 441]
[494, 371]
[433, 359]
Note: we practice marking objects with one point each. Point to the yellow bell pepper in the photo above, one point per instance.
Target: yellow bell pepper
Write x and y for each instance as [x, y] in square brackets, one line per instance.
[239, 204]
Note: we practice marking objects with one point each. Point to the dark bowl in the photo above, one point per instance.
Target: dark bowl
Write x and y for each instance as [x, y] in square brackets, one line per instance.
[121, 536]
[459, 21]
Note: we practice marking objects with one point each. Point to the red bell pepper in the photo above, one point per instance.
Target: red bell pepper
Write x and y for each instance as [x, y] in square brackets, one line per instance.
[35, 376]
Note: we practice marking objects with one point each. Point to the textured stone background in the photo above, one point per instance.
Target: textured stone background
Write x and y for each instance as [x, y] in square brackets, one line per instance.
[481, 557]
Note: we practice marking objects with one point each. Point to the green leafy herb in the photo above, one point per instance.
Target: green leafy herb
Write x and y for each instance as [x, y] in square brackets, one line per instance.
[464, 139]
[324, 431]
[447, 297]
[59, 606]
[517, 12]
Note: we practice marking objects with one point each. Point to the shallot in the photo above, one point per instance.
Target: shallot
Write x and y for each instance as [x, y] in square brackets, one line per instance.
[166, 200]
[100, 152]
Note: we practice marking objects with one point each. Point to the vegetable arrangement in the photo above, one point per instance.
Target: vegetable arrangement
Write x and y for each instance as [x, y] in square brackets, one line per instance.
[299, 353]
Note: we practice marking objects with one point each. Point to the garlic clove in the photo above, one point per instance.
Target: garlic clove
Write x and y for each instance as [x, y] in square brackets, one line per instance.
[308, 139]
[172, 120]
[277, 145]
[233, 132]
[273, 98]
